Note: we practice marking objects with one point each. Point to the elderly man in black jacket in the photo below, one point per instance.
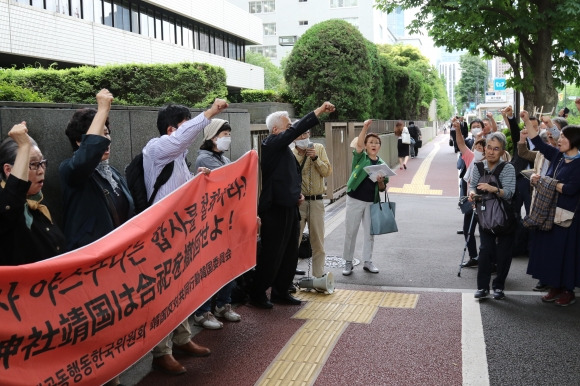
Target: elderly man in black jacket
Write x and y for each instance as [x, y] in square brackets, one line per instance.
[278, 208]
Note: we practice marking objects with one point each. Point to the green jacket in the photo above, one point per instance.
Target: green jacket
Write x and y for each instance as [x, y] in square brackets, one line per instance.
[359, 161]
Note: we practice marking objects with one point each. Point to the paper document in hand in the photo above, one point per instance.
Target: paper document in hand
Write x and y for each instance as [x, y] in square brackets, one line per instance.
[527, 173]
[378, 170]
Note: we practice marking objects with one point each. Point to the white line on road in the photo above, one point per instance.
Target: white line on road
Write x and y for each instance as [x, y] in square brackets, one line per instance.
[475, 371]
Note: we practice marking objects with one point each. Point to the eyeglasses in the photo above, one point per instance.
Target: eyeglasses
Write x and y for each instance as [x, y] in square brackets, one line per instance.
[494, 149]
[38, 164]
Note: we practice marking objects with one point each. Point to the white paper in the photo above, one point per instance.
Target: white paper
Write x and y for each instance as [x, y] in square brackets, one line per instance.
[375, 171]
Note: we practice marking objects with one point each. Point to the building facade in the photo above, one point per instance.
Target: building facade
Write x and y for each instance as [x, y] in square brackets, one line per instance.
[283, 22]
[99, 32]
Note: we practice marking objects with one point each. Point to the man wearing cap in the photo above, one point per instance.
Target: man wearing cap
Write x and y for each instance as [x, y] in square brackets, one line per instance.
[315, 166]
[177, 131]
[278, 208]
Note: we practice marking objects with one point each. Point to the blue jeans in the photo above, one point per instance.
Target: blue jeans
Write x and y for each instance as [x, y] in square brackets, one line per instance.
[222, 297]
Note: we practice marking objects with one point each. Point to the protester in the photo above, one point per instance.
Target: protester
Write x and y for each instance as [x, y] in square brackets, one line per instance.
[177, 131]
[469, 157]
[402, 148]
[27, 233]
[278, 208]
[95, 195]
[315, 166]
[492, 245]
[461, 127]
[415, 133]
[362, 192]
[216, 140]
[555, 253]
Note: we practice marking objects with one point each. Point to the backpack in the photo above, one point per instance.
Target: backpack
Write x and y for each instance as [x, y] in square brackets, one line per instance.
[135, 176]
[493, 214]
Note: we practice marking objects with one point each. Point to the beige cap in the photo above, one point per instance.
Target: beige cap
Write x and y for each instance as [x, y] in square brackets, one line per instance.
[211, 130]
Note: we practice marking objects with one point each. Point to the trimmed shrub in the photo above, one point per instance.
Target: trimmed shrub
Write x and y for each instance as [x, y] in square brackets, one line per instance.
[191, 84]
[10, 92]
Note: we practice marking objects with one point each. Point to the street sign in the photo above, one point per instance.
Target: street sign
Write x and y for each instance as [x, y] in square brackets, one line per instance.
[499, 84]
[495, 96]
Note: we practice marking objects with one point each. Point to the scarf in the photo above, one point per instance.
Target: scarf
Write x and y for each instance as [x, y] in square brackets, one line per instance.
[105, 171]
[32, 203]
[570, 157]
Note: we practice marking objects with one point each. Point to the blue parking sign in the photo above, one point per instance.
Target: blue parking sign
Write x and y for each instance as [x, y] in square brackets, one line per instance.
[499, 84]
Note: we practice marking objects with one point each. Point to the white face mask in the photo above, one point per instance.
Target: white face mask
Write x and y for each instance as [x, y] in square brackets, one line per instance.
[302, 143]
[223, 143]
[478, 155]
[475, 131]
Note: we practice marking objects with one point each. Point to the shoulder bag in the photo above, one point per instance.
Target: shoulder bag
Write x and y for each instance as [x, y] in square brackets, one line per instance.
[383, 217]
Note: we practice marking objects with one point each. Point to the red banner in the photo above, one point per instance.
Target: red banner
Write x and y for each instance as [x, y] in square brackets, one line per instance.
[84, 317]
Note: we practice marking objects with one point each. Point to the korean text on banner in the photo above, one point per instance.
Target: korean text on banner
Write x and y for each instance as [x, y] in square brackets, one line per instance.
[84, 317]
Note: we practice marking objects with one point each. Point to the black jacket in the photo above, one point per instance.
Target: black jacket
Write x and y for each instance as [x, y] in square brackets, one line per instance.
[518, 162]
[281, 177]
[86, 214]
[21, 245]
[415, 132]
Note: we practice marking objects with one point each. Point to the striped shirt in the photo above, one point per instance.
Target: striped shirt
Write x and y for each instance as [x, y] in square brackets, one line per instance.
[507, 178]
[161, 150]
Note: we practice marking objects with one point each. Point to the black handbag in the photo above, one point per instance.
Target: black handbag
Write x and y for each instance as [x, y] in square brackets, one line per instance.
[305, 248]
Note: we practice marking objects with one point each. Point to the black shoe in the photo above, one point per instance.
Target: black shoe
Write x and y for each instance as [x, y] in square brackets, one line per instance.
[540, 287]
[261, 302]
[471, 263]
[292, 289]
[286, 299]
[498, 294]
[300, 272]
[459, 232]
[481, 294]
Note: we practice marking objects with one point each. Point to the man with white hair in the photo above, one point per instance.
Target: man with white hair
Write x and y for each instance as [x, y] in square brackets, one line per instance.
[278, 208]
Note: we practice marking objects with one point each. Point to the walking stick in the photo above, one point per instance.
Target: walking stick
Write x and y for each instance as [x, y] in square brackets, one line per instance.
[466, 242]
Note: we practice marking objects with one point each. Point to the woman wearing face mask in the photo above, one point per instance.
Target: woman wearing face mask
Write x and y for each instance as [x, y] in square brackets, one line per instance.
[27, 233]
[217, 139]
[469, 157]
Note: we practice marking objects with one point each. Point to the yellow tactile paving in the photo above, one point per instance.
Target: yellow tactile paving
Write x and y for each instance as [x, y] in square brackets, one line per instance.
[417, 185]
[399, 300]
[303, 357]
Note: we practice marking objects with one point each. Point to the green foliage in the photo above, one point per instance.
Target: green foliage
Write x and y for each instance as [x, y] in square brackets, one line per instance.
[252, 96]
[273, 76]
[444, 109]
[10, 92]
[530, 35]
[331, 62]
[191, 84]
[473, 83]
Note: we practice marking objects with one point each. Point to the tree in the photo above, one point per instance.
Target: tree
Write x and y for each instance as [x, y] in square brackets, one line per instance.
[273, 76]
[531, 35]
[473, 83]
[331, 62]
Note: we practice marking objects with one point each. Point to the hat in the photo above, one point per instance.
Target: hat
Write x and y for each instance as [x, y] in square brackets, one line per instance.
[212, 129]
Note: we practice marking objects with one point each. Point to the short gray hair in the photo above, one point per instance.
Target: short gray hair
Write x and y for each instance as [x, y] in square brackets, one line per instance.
[275, 119]
[500, 137]
[544, 135]
[561, 122]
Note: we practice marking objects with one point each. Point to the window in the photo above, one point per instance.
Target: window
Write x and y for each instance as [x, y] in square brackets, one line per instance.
[269, 29]
[203, 40]
[266, 6]
[302, 1]
[188, 36]
[135, 19]
[343, 3]
[267, 51]
[88, 10]
[219, 45]
[303, 22]
[121, 18]
[76, 8]
[38, 3]
[108, 12]
[98, 14]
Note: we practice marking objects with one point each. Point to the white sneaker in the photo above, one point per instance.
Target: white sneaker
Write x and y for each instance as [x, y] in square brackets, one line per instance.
[370, 267]
[227, 313]
[207, 320]
[347, 268]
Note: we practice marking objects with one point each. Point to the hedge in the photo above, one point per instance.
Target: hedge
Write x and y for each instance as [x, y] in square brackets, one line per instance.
[191, 84]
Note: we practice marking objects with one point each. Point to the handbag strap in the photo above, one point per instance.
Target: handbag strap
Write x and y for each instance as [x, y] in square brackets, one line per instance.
[110, 204]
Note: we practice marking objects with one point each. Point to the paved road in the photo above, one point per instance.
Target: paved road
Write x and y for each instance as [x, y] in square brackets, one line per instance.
[414, 323]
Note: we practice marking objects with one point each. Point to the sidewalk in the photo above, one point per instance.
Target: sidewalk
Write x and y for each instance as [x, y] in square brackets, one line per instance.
[415, 322]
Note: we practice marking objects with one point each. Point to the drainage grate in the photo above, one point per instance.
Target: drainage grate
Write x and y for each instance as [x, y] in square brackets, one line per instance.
[333, 261]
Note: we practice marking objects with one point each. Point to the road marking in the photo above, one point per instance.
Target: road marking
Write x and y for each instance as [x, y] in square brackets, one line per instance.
[475, 371]
[327, 317]
[417, 185]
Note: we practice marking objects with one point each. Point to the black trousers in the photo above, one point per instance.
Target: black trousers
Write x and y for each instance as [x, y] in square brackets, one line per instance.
[276, 264]
[499, 247]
